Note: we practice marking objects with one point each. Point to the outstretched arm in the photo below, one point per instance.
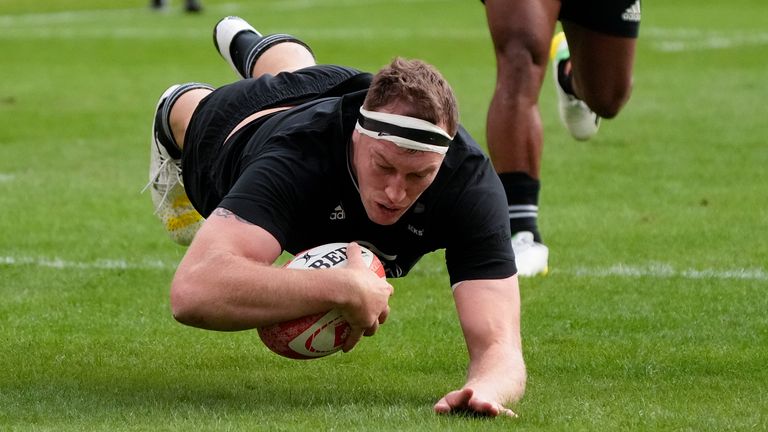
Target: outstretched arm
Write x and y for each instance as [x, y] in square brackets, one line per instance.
[489, 313]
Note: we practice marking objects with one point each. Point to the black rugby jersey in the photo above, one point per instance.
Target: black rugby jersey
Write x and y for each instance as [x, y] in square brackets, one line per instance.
[290, 175]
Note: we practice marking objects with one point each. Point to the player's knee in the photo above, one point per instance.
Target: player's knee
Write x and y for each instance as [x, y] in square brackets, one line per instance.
[518, 74]
[522, 63]
[608, 101]
[181, 104]
[284, 57]
[279, 53]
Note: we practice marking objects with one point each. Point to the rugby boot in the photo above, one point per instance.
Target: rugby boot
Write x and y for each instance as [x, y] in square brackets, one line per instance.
[531, 257]
[172, 206]
[575, 115]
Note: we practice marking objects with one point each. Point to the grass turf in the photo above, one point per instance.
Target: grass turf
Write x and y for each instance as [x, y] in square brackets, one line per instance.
[653, 317]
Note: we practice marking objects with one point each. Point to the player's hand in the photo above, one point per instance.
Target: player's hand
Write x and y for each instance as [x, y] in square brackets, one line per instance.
[369, 303]
[467, 401]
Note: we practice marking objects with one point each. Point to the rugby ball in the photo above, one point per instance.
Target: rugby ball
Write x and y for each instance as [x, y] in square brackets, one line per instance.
[317, 335]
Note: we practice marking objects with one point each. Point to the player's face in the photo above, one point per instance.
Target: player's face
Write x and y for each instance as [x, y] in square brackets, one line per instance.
[390, 178]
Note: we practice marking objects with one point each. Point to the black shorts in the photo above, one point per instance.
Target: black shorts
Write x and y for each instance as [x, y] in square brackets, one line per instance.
[226, 107]
[615, 17]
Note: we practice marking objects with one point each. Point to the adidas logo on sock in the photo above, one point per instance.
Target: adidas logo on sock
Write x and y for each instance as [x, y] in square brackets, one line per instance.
[632, 13]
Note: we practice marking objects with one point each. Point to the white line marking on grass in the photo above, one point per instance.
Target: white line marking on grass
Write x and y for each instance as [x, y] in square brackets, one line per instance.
[666, 271]
[314, 4]
[86, 15]
[118, 33]
[101, 15]
[7, 178]
[391, 34]
[333, 34]
[47, 18]
[677, 40]
[654, 270]
[104, 264]
[119, 24]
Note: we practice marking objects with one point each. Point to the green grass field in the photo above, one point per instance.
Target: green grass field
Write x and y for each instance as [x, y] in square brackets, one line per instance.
[653, 316]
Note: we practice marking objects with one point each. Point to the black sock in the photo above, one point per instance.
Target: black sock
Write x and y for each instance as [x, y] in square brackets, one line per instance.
[162, 135]
[163, 132]
[563, 78]
[240, 49]
[523, 198]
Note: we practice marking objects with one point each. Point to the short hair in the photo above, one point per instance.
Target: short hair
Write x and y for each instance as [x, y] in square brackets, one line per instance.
[421, 87]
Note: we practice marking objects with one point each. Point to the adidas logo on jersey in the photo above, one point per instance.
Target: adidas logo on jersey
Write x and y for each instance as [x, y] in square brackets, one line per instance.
[632, 13]
[338, 213]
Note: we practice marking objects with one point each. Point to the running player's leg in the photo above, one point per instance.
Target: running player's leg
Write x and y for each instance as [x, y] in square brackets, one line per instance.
[601, 38]
[601, 68]
[521, 34]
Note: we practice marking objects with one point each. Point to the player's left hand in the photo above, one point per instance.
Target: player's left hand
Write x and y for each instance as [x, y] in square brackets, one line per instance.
[467, 401]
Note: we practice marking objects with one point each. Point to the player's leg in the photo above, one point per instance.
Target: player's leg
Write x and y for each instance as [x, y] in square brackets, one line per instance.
[157, 4]
[251, 54]
[600, 68]
[521, 34]
[193, 6]
[180, 113]
[592, 61]
[169, 124]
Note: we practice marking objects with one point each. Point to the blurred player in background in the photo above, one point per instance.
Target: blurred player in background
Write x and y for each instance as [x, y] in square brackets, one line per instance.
[192, 6]
[592, 68]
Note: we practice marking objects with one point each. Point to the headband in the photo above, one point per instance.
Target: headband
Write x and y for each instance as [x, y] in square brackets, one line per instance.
[406, 132]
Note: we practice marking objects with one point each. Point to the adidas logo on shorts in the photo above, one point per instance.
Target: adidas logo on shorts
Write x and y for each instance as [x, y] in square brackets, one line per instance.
[632, 13]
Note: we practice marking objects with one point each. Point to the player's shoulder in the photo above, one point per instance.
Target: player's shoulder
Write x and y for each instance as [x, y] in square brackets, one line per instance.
[466, 172]
[465, 153]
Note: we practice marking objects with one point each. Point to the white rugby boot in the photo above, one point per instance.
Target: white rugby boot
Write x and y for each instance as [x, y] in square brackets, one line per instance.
[172, 206]
[224, 32]
[242, 54]
[531, 257]
[575, 115]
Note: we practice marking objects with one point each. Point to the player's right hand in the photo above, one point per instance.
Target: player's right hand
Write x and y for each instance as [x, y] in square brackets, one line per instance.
[368, 304]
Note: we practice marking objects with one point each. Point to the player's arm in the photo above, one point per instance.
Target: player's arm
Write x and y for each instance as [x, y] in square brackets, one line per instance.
[226, 281]
[489, 313]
